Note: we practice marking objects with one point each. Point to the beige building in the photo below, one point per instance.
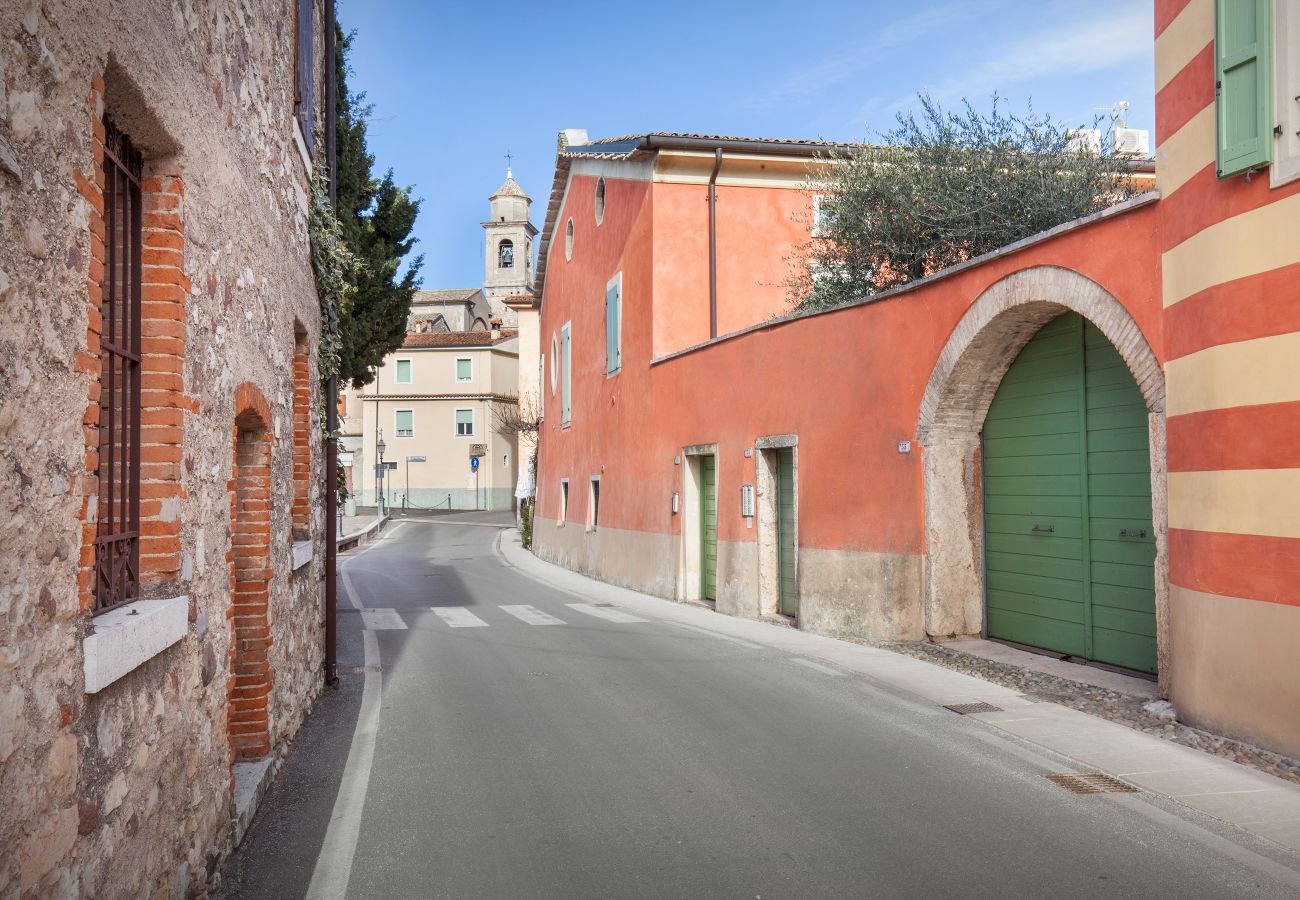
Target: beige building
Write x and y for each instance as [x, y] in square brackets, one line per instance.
[454, 309]
[438, 404]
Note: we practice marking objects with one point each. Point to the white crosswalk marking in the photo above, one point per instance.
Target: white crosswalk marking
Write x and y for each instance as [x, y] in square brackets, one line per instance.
[604, 612]
[382, 620]
[532, 615]
[458, 617]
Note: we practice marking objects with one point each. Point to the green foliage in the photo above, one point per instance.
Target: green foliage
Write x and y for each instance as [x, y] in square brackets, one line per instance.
[526, 520]
[376, 217]
[940, 189]
[336, 270]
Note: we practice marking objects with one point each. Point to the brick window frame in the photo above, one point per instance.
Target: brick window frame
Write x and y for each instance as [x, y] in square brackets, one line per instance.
[249, 558]
[163, 402]
[300, 511]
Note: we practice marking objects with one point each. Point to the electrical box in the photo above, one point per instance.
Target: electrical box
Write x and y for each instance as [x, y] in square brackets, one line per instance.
[746, 500]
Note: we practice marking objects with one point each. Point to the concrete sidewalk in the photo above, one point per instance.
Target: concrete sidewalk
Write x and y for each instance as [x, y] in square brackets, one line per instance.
[1253, 801]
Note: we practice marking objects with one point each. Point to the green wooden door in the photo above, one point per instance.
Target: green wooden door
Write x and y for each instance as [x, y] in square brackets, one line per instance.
[1068, 537]
[708, 528]
[785, 531]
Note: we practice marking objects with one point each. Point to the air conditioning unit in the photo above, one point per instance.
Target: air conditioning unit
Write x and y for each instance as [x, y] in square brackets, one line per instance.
[1131, 141]
[1084, 140]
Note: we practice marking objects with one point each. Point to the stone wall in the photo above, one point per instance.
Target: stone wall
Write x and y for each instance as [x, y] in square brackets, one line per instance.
[127, 791]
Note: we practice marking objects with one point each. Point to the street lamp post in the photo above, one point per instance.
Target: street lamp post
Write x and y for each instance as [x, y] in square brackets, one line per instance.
[381, 499]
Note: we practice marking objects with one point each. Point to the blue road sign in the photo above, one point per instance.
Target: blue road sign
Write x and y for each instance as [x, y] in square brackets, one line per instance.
[473, 463]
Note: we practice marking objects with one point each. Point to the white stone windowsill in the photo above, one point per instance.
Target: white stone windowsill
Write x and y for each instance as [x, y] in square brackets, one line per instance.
[127, 637]
[302, 551]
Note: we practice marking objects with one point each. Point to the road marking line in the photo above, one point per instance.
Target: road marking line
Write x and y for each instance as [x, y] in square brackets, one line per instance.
[532, 615]
[382, 620]
[458, 617]
[353, 596]
[329, 880]
[825, 670]
[721, 637]
[603, 612]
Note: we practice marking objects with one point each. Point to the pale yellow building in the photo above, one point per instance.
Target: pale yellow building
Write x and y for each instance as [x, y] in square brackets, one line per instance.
[438, 404]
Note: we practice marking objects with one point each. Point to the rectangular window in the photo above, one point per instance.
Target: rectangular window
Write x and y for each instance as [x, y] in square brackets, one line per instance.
[117, 524]
[303, 66]
[402, 372]
[593, 505]
[823, 210]
[464, 422]
[566, 375]
[464, 369]
[1243, 50]
[404, 422]
[564, 500]
[614, 324]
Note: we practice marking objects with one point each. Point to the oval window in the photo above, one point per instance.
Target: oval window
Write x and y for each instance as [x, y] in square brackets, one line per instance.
[600, 201]
[568, 240]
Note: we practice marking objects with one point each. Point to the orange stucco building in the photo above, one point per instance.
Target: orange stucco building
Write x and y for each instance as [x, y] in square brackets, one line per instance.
[1085, 441]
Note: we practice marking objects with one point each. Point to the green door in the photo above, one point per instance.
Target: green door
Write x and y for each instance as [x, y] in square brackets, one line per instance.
[1069, 550]
[708, 528]
[785, 531]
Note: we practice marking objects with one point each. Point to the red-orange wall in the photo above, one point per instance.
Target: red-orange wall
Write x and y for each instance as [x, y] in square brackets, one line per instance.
[848, 382]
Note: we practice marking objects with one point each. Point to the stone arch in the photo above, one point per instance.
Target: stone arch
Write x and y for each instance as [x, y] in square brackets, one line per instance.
[957, 397]
[248, 721]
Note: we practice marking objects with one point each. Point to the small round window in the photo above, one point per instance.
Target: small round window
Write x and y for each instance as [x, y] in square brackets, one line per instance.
[600, 201]
[555, 363]
[568, 240]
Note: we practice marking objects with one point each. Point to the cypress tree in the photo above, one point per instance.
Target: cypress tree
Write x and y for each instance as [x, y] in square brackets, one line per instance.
[376, 217]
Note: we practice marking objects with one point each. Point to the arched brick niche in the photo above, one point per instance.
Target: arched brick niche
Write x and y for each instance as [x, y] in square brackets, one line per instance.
[957, 397]
[250, 576]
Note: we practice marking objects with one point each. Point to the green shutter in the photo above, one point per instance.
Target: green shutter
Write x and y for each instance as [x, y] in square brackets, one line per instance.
[566, 375]
[464, 421]
[614, 326]
[464, 370]
[405, 423]
[403, 371]
[1243, 74]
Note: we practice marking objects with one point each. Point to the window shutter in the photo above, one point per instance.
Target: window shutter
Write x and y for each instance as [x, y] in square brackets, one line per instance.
[566, 376]
[613, 326]
[405, 423]
[303, 72]
[403, 371]
[1243, 73]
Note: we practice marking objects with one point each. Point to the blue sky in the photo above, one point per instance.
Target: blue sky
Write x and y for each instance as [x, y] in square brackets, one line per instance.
[455, 84]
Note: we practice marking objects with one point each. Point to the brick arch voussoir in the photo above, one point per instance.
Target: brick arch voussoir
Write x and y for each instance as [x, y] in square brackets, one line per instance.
[999, 324]
[251, 409]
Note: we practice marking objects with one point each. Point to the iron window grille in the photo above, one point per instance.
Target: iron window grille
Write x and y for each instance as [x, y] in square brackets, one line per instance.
[117, 524]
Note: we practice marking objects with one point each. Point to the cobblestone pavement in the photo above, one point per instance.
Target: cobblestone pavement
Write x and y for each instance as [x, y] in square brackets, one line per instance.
[1100, 702]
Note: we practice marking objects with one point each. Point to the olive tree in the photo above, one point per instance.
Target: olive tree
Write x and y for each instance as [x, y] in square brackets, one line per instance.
[940, 188]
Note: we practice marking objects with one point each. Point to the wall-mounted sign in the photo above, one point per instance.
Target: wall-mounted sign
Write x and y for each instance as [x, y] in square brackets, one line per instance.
[746, 500]
[676, 502]
[478, 449]
[904, 446]
[417, 459]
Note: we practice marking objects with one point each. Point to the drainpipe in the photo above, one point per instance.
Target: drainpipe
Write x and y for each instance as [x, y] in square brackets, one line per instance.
[713, 244]
[331, 393]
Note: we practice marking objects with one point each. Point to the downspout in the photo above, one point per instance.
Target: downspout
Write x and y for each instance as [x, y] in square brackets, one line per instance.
[713, 244]
[331, 390]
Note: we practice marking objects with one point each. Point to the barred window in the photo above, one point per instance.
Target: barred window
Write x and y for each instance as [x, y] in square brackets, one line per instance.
[117, 526]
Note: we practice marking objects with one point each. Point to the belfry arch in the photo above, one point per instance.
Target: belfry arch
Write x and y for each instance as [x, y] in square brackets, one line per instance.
[962, 384]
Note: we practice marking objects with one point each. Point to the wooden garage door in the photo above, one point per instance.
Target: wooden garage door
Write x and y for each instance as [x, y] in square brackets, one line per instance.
[708, 528]
[1069, 548]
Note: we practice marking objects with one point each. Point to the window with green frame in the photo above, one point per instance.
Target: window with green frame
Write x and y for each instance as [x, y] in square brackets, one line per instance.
[614, 324]
[464, 369]
[404, 423]
[402, 371]
[1243, 72]
[464, 423]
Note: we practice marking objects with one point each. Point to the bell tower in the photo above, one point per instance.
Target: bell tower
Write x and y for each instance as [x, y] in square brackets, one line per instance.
[508, 257]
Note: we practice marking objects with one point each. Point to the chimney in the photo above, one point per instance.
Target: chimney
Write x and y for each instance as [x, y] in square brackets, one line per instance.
[571, 137]
[495, 325]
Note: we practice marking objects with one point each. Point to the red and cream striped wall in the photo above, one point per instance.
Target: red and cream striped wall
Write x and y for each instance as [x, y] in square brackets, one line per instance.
[1230, 285]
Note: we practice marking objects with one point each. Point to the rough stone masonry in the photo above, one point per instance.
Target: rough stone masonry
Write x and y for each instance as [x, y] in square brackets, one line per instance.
[127, 791]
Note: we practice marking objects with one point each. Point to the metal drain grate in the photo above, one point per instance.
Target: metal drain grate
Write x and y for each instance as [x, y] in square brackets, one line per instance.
[966, 709]
[1092, 783]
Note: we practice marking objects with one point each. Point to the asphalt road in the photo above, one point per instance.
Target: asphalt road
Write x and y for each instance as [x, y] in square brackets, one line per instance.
[522, 747]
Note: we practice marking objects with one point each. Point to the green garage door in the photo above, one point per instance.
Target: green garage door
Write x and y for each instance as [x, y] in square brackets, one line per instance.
[708, 528]
[1069, 545]
[787, 601]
